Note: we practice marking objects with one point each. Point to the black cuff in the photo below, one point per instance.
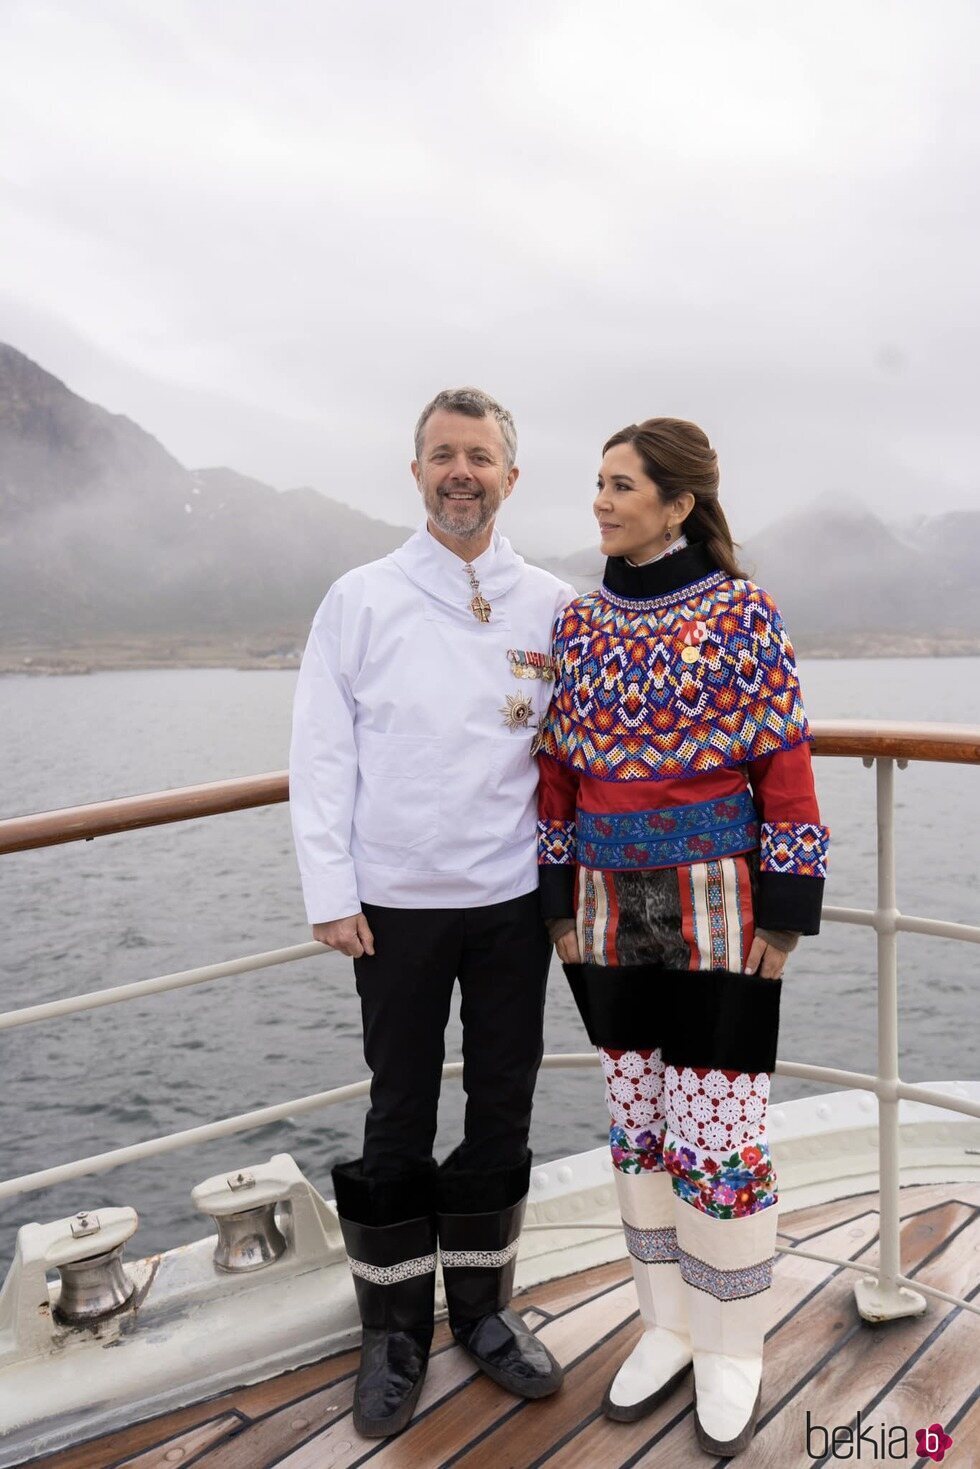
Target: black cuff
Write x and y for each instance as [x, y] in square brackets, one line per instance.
[712, 1017]
[380, 1202]
[481, 1191]
[790, 903]
[621, 1005]
[557, 888]
[721, 1019]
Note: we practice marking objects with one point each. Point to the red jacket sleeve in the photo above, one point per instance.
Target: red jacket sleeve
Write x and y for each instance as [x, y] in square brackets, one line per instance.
[557, 797]
[792, 842]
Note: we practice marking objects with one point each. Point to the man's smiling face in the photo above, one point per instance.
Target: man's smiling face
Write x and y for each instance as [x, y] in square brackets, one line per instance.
[462, 474]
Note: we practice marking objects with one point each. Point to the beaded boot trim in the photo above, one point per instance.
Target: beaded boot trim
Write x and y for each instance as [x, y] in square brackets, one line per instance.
[392, 1274]
[485, 1259]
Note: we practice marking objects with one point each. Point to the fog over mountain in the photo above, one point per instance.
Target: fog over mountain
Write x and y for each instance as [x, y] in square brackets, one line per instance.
[112, 551]
[270, 233]
[105, 534]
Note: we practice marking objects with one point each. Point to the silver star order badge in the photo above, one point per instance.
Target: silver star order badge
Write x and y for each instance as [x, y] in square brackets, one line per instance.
[517, 711]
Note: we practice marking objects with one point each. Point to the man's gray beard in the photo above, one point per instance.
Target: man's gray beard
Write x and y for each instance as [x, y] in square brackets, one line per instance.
[449, 527]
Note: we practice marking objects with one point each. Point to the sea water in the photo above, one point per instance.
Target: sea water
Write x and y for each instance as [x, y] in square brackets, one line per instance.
[90, 915]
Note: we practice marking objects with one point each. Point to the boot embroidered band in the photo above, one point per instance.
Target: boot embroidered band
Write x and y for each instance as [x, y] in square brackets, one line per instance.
[726, 1285]
[490, 1259]
[392, 1274]
[652, 1246]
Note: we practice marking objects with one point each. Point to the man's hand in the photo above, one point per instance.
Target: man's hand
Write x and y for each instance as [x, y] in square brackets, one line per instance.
[567, 948]
[351, 936]
[765, 959]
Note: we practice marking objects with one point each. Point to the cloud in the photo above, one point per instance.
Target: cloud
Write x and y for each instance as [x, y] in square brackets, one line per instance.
[270, 234]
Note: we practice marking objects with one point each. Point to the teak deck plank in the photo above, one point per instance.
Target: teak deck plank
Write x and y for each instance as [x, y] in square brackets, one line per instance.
[560, 1295]
[865, 1361]
[819, 1356]
[817, 1218]
[965, 1433]
[915, 1197]
[112, 1449]
[161, 1455]
[266, 1440]
[525, 1436]
[265, 1397]
[938, 1384]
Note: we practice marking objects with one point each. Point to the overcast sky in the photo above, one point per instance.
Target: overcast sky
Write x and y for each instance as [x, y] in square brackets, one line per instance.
[269, 232]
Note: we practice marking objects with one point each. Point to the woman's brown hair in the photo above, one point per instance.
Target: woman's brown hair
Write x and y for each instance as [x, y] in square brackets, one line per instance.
[677, 456]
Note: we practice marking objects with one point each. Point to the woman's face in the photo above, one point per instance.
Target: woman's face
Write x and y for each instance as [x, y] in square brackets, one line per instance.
[632, 517]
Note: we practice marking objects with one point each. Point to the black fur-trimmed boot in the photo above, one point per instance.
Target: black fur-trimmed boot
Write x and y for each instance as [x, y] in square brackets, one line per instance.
[390, 1236]
[479, 1218]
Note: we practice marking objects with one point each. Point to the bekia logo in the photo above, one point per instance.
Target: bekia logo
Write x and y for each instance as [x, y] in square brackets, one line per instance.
[932, 1443]
[874, 1442]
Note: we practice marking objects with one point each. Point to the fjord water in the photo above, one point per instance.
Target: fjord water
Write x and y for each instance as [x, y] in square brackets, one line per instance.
[91, 915]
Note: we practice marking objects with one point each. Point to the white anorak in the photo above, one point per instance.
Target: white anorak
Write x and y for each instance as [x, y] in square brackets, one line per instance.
[407, 786]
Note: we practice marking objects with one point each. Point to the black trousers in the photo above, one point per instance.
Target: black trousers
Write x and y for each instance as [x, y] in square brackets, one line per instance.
[500, 954]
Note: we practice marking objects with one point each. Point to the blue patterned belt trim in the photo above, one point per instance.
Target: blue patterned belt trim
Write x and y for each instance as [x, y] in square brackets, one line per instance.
[669, 837]
[652, 1246]
[725, 1285]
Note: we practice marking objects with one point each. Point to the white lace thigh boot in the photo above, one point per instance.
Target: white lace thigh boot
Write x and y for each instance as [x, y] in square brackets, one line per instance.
[662, 1356]
[726, 1265]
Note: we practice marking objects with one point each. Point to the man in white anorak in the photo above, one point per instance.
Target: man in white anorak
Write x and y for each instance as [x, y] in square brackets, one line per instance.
[412, 793]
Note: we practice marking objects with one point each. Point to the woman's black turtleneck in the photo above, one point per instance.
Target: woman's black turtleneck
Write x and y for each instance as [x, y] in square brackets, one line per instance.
[667, 574]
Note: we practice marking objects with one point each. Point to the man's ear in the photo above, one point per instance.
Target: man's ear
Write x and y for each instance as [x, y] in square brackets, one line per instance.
[511, 481]
[415, 475]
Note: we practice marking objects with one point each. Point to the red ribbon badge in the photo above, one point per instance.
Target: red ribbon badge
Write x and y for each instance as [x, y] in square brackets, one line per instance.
[692, 633]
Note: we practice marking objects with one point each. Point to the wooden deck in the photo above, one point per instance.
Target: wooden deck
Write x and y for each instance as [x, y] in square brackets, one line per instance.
[821, 1359]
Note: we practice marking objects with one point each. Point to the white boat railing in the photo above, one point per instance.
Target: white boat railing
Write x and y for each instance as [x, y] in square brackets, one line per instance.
[884, 1294]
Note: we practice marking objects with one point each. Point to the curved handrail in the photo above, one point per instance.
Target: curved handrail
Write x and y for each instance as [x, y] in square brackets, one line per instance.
[948, 743]
[130, 813]
[881, 745]
[243, 1122]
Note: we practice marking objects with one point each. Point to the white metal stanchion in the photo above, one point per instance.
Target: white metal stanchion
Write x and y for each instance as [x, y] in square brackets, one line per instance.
[881, 1298]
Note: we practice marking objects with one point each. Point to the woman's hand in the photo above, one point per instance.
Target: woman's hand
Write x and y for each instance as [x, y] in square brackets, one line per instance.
[567, 948]
[561, 932]
[766, 959]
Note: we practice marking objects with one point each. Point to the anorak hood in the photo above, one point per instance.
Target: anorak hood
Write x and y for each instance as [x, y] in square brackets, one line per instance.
[441, 574]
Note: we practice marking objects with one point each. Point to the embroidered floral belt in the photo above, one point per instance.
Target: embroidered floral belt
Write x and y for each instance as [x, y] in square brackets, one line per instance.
[670, 837]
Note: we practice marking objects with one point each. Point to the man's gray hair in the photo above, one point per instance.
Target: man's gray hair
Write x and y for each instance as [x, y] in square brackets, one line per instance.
[474, 403]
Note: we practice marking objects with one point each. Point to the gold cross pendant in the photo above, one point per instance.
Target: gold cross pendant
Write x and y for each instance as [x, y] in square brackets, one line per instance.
[480, 608]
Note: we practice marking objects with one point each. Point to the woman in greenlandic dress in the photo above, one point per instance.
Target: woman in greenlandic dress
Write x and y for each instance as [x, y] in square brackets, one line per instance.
[681, 855]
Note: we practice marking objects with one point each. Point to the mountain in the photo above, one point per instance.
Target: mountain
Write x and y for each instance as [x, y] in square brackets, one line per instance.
[848, 583]
[111, 551]
[103, 533]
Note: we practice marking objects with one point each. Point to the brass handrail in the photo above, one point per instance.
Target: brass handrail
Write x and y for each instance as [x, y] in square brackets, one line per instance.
[952, 744]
